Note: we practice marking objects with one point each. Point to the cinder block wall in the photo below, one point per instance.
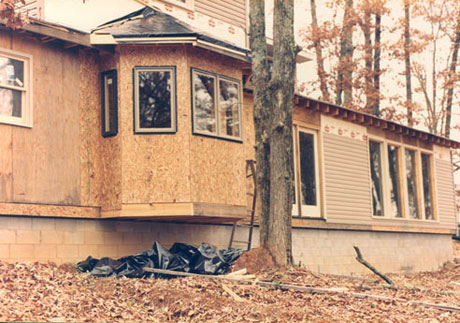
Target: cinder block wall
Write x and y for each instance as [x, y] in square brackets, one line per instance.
[327, 251]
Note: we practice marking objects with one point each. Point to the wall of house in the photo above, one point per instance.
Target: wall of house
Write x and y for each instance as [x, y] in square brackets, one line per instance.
[42, 164]
[233, 12]
[327, 251]
[180, 167]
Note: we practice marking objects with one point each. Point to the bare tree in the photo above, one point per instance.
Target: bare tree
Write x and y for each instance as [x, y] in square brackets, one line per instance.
[273, 99]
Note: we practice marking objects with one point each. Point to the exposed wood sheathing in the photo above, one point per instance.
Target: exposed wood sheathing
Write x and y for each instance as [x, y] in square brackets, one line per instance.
[155, 167]
[64, 211]
[216, 166]
[41, 164]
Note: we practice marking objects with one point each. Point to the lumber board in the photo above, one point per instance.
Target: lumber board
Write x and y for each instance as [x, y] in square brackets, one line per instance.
[49, 210]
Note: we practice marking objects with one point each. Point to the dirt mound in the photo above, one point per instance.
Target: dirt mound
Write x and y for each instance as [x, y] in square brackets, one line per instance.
[255, 261]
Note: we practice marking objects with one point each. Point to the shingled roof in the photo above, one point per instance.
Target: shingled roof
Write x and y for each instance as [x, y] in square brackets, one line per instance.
[149, 23]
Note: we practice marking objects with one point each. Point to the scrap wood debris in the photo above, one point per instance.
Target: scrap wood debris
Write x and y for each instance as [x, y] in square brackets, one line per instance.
[46, 292]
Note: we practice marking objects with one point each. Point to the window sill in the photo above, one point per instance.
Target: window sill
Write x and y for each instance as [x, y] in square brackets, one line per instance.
[383, 219]
[218, 137]
[19, 123]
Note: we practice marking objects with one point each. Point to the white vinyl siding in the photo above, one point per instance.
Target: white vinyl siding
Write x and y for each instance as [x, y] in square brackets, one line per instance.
[347, 182]
[445, 192]
[232, 12]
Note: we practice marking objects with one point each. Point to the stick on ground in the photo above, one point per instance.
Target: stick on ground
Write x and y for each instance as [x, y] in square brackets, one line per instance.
[360, 259]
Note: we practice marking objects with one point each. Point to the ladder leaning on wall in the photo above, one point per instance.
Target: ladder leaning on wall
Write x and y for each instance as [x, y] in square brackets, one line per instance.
[250, 172]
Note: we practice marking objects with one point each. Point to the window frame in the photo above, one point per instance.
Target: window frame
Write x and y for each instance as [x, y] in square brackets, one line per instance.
[136, 117]
[298, 210]
[217, 78]
[26, 119]
[105, 109]
[404, 198]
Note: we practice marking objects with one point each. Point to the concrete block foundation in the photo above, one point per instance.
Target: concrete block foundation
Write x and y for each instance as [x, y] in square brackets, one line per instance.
[327, 251]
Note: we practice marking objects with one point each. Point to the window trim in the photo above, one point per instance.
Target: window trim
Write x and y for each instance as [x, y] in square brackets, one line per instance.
[104, 109]
[26, 119]
[217, 77]
[403, 181]
[136, 121]
[298, 209]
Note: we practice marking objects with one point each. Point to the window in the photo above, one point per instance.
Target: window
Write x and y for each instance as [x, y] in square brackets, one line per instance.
[306, 174]
[375, 154]
[216, 105]
[109, 103]
[394, 172]
[15, 88]
[187, 4]
[155, 99]
[427, 185]
[401, 181]
[411, 180]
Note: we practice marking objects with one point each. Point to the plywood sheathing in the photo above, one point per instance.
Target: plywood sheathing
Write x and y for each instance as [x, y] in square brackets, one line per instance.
[44, 159]
[217, 166]
[90, 120]
[49, 210]
[155, 167]
[6, 163]
[110, 149]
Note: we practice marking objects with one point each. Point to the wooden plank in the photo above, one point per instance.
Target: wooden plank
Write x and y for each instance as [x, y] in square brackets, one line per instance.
[49, 210]
[219, 210]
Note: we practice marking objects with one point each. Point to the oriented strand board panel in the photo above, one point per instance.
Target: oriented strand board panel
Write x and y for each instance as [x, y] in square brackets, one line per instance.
[110, 149]
[46, 157]
[90, 151]
[217, 166]
[49, 210]
[155, 167]
[6, 163]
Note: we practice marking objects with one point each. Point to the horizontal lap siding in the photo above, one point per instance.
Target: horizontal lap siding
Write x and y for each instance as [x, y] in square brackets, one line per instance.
[347, 183]
[232, 12]
[445, 193]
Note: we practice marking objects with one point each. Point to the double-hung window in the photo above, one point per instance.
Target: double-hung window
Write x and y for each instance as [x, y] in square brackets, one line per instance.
[401, 181]
[109, 103]
[216, 105]
[154, 99]
[15, 88]
[306, 171]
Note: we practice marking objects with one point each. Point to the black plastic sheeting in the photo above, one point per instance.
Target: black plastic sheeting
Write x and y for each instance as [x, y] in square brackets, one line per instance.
[206, 259]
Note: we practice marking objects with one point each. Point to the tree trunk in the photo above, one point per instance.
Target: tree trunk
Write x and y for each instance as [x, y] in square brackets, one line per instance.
[410, 121]
[378, 31]
[319, 54]
[346, 52]
[369, 86]
[273, 125]
[262, 107]
[281, 143]
[450, 82]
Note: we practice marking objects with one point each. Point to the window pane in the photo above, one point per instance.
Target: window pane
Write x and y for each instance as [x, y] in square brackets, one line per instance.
[205, 114]
[426, 173]
[307, 169]
[11, 71]
[10, 103]
[394, 171]
[376, 175]
[228, 109]
[411, 183]
[155, 99]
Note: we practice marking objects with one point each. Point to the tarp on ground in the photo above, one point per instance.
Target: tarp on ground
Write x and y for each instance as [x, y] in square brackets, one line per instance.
[205, 259]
